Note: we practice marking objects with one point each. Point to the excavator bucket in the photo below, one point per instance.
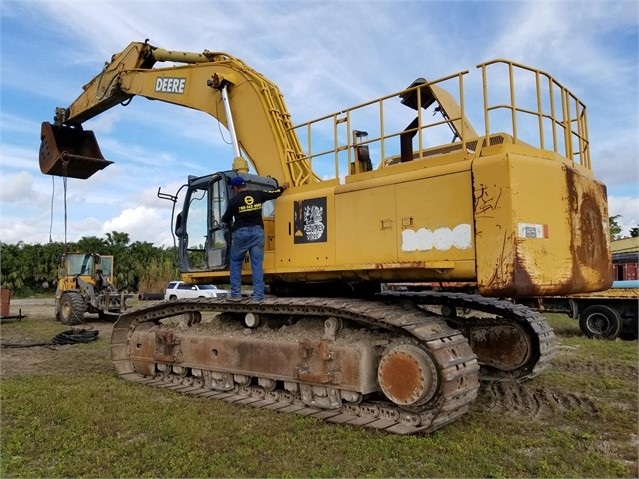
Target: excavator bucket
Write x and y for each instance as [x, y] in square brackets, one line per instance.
[69, 151]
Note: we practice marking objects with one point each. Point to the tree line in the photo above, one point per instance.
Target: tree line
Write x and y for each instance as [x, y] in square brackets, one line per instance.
[31, 269]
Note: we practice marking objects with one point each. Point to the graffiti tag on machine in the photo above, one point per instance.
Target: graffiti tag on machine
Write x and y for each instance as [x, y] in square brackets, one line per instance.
[486, 199]
[441, 239]
[310, 221]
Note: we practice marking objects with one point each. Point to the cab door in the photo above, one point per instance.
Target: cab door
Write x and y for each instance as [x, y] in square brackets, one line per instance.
[106, 265]
[203, 241]
[218, 239]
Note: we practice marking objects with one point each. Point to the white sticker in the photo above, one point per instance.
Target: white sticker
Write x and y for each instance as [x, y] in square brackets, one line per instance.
[441, 239]
[529, 230]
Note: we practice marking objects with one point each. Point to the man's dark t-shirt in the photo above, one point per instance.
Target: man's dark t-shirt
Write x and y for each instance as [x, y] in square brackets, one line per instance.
[246, 207]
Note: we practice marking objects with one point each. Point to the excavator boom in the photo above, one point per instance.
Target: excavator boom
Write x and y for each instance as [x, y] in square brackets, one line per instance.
[206, 82]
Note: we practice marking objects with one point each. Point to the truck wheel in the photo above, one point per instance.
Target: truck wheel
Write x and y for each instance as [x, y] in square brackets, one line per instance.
[600, 322]
[72, 308]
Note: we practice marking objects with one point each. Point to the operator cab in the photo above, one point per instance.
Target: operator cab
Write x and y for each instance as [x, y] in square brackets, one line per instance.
[203, 241]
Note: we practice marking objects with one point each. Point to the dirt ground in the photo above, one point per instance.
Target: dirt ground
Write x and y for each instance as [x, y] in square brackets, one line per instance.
[43, 359]
[522, 399]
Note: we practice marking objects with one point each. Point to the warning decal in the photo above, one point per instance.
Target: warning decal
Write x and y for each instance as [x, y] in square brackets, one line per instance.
[529, 230]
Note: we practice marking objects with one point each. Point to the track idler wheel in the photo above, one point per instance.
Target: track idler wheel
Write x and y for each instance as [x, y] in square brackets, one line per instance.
[506, 346]
[407, 375]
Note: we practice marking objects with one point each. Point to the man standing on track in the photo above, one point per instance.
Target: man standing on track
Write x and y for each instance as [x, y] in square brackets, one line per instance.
[245, 209]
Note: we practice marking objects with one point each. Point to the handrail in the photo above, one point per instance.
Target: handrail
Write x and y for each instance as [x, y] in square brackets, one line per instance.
[542, 113]
[573, 144]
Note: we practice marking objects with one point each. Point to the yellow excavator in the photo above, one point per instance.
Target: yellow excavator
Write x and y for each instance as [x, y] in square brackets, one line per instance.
[401, 188]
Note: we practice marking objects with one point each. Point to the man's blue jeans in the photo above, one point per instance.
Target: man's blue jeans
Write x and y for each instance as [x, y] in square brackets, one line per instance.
[251, 240]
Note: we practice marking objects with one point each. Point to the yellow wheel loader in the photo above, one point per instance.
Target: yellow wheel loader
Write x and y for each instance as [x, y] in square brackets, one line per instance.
[85, 285]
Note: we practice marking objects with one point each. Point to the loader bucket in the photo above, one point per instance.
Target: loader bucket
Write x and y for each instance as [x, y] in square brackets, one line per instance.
[69, 151]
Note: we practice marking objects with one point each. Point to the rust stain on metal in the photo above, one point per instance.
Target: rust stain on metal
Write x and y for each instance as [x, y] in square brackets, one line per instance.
[319, 362]
[523, 280]
[165, 345]
[316, 365]
[400, 377]
[510, 277]
[589, 241]
[505, 347]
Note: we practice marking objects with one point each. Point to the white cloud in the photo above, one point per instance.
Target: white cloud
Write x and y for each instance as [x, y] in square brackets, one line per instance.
[615, 162]
[15, 123]
[556, 34]
[14, 158]
[142, 224]
[18, 189]
[29, 231]
[628, 208]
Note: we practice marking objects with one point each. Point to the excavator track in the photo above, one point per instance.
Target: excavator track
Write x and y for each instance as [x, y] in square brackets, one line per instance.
[512, 342]
[401, 335]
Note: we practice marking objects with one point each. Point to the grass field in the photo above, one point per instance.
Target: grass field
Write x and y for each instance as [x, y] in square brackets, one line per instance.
[66, 414]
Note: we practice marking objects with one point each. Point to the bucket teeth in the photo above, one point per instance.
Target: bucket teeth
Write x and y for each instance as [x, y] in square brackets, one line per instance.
[69, 151]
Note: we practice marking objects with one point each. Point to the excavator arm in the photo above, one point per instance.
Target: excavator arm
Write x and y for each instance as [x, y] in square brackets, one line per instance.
[210, 82]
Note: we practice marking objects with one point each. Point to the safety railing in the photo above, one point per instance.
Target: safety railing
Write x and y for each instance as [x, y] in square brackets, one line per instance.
[427, 120]
[558, 116]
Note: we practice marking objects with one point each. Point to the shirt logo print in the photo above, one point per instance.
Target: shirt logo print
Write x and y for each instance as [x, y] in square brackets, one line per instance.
[249, 200]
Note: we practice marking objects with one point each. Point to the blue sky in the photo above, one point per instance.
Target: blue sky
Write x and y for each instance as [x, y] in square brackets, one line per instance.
[324, 56]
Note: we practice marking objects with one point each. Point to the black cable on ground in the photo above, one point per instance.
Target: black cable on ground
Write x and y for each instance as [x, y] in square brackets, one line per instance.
[75, 336]
[72, 336]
